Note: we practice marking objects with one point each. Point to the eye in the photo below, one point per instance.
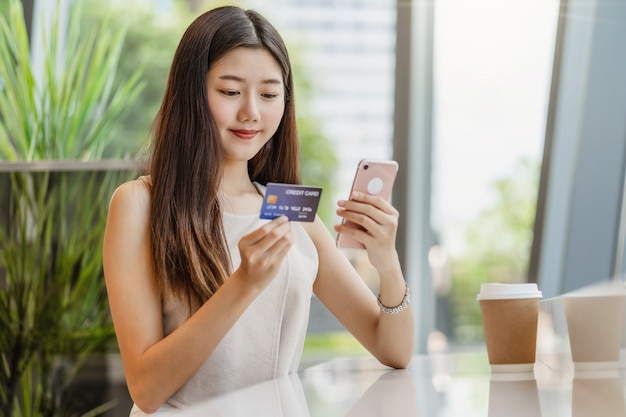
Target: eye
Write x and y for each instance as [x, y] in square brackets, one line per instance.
[230, 93]
[269, 96]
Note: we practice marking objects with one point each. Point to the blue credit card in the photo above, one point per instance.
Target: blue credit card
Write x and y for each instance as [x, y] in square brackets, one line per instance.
[297, 202]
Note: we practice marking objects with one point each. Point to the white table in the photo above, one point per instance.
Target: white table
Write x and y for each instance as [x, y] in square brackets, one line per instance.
[439, 385]
[434, 386]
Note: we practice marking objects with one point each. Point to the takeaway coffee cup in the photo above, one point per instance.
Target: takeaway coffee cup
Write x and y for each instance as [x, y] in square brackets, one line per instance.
[510, 313]
[595, 318]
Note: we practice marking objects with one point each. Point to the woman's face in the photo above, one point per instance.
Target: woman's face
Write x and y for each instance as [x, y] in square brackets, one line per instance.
[247, 100]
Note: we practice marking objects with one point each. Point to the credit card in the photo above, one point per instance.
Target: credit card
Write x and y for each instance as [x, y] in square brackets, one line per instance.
[297, 202]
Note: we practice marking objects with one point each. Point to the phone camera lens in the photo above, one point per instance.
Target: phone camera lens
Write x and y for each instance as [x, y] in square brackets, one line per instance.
[366, 166]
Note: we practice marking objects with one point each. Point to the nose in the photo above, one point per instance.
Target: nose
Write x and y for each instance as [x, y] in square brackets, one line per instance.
[249, 111]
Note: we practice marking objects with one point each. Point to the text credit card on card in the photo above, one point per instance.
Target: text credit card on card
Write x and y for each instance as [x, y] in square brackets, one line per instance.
[297, 202]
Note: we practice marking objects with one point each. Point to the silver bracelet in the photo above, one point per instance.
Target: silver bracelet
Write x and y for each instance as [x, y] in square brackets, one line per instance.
[394, 310]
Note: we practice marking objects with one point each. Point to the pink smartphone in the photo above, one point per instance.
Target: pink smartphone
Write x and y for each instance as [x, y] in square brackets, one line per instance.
[375, 177]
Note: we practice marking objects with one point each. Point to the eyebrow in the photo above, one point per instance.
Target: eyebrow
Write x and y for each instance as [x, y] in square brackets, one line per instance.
[239, 79]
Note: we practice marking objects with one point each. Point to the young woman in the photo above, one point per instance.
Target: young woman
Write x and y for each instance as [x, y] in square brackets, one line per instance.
[205, 296]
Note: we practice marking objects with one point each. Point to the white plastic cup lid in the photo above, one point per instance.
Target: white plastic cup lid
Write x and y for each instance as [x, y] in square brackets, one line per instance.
[499, 291]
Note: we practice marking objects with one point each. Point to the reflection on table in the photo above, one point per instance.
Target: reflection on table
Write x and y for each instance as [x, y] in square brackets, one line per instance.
[437, 385]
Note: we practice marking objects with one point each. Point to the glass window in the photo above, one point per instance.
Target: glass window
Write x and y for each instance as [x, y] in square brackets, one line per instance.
[492, 70]
[492, 65]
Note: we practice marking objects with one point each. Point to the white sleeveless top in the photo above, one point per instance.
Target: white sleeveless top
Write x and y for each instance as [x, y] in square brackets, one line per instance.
[267, 340]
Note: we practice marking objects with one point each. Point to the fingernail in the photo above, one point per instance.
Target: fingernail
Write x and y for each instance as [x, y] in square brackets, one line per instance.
[341, 203]
[356, 194]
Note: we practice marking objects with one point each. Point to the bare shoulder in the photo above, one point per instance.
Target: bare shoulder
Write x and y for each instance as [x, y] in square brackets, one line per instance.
[132, 197]
[126, 237]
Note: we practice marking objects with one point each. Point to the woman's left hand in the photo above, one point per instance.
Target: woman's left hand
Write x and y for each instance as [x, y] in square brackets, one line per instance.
[378, 225]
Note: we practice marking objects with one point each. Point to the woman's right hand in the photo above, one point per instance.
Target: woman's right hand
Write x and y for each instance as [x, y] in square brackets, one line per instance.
[263, 251]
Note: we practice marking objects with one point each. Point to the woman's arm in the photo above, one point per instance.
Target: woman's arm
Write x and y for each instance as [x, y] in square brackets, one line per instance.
[389, 337]
[156, 366]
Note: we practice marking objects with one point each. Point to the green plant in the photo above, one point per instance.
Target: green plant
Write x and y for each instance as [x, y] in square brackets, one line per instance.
[53, 307]
[150, 39]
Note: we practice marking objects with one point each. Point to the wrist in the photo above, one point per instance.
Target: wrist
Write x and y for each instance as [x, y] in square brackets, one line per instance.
[246, 286]
[397, 308]
[388, 265]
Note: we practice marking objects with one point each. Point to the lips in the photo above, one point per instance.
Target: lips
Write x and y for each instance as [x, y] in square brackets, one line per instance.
[245, 134]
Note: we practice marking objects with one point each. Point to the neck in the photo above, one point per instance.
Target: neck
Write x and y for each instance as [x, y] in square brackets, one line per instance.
[235, 180]
[238, 194]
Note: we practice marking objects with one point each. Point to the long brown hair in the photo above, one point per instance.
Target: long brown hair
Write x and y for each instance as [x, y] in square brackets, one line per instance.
[189, 251]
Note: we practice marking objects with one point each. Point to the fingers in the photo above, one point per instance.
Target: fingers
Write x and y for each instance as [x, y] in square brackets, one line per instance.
[375, 219]
[263, 250]
[374, 207]
[367, 210]
[267, 235]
